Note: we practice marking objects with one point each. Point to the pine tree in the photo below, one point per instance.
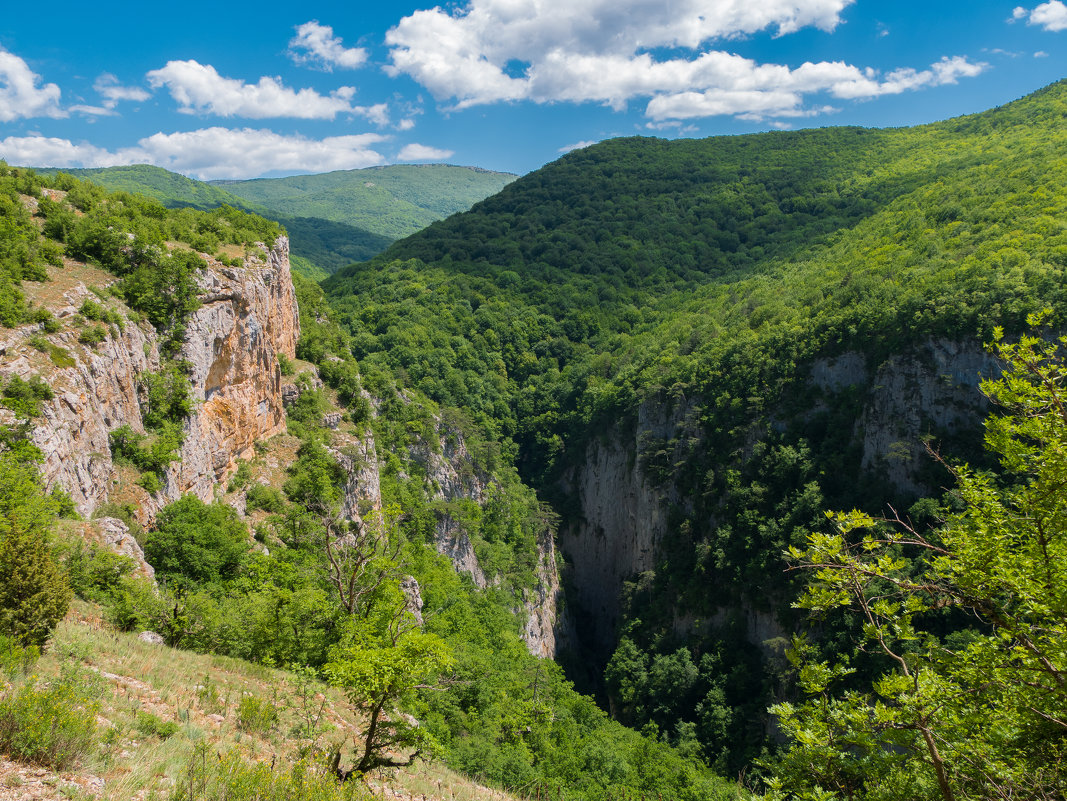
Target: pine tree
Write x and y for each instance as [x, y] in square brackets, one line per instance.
[34, 595]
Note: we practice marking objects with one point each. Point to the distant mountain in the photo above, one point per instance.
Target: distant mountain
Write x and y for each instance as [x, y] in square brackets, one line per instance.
[333, 219]
[393, 201]
[169, 188]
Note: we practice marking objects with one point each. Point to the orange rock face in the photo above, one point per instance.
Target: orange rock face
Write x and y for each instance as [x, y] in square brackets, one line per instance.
[247, 317]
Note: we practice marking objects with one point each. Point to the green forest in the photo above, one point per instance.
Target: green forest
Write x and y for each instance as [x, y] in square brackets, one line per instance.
[917, 599]
[715, 273]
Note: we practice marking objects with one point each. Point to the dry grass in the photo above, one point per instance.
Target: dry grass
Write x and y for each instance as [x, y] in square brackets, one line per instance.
[200, 694]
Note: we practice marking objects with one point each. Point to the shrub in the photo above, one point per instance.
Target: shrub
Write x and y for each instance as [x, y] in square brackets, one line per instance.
[256, 715]
[95, 573]
[135, 605]
[150, 725]
[151, 454]
[266, 498]
[241, 476]
[91, 310]
[150, 482]
[34, 595]
[197, 541]
[16, 660]
[93, 335]
[285, 364]
[24, 398]
[51, 725]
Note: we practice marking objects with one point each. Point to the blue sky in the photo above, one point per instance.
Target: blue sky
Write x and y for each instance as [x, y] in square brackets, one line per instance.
[236, 90]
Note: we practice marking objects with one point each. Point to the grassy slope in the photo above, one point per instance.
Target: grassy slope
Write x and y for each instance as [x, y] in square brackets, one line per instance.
[200, 693]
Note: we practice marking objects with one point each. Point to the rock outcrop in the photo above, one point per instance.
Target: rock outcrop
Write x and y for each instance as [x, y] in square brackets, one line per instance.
[623, 518]
[248, 315]
[932, 389]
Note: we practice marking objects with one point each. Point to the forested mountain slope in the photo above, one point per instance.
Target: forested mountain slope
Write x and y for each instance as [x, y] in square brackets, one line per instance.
[695, 347]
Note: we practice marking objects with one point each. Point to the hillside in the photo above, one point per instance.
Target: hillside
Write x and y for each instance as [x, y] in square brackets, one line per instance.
[162, 707]
[333, 219]
[392, 201]
[696, 347]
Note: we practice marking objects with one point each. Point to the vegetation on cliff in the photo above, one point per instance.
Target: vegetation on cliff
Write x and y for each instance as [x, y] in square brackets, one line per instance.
[978, 712]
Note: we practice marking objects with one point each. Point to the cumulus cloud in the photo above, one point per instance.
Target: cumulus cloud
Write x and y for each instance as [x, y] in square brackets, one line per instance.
[603, 51]
[46, 151]
[206, 153]
[20, 95]
[198, 88]
[416, 152]
[316, 45]
[1051, 16]
[755, 91]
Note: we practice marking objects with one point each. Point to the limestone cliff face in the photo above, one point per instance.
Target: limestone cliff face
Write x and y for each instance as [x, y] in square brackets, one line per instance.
[451, 475]
[623, 518]
[93, 397]
[930, 389]
[248, 315]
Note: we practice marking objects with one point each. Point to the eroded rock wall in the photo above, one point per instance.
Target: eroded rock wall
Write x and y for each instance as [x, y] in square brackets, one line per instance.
[932, 388]
[248, 315]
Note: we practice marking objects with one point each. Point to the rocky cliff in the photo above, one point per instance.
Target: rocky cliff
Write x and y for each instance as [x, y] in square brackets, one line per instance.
[930, 389]
[450, 475]
[247, 316]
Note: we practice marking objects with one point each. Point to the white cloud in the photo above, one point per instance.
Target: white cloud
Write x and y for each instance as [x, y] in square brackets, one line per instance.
[416, 152]
[20, 96]
[599, 51]
[108, 87]
[1052, 16]
[405, 125]
[315, 44]
[199, 88]
[44, 151]
[578, 145]
[1040, 54]
[471, 55]
[754, 91]
[206, 153]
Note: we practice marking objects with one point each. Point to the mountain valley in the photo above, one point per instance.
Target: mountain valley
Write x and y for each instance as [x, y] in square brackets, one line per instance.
[533, 475]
